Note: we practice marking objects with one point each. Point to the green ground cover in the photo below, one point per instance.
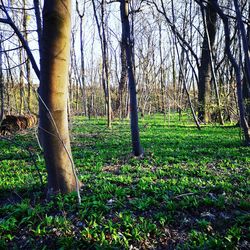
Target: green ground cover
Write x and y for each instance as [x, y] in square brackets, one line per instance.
[189, 191]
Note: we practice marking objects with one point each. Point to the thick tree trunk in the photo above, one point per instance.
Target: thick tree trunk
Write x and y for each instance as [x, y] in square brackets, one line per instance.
[205, 71]
[137, 149]
[53, 92]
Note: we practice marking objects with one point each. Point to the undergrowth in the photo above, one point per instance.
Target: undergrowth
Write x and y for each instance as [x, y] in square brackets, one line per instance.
[189, 191]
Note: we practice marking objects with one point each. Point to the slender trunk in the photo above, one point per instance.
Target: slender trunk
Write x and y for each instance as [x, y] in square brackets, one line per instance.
[236, 67]
[53, 90]
[246, 79]
[38, 22]
[11, 85]
[182, 76]
[162, 80]
[105, 64]
[1, 82]
[21, 85]
[27, 64]
[137, 149]
[101, 26]
[84, 93]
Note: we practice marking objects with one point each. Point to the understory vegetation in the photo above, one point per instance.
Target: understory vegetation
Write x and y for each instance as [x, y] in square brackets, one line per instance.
[190, 190]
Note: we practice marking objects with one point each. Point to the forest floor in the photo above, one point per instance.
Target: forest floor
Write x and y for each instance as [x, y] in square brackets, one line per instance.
[189, 191]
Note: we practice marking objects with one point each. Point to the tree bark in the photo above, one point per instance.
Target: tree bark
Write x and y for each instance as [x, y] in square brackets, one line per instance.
[137, 149]
[123, 79]
[53, 92]
[205, 71]
[246, 79]
[27, 64]
[38, 22]
[1, 82]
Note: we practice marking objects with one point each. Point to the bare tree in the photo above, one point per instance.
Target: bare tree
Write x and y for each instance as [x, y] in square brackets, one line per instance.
[246, 79]
[137, 149]
[102, 26]
[84, 93]
[236, 67]
[1, 82]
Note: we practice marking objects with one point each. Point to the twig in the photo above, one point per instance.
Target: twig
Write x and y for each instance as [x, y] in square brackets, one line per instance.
[65, 148]
[183, 195]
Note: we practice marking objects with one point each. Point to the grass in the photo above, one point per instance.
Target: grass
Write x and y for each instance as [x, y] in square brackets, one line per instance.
[189, 191]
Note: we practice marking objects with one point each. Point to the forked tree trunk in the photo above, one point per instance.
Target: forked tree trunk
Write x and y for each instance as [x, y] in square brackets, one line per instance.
[137, 149]
[205, 71]
[53, 92]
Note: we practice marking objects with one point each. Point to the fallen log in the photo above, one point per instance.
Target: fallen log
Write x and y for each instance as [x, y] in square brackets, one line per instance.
[12, 123]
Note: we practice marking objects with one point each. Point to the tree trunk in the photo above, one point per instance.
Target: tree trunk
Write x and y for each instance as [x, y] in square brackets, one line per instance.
[38, 22]
[137, 149]
[236, 67]
[21, 85]
[27, 64]
[205, 72]
[213, 73]
[123, 79]
[246, 79]
[84, 92]
[101, 26]
[1, 82]
[53, 92]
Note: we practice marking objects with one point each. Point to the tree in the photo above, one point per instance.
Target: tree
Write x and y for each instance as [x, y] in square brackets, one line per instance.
[102, 31]
[246, 80]
[84, 93]
[123, 78]
[27, 64]
[124, 9]
[205, 71]
[53, 90]
[243, 121]
[1, 82]
[36, 4]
